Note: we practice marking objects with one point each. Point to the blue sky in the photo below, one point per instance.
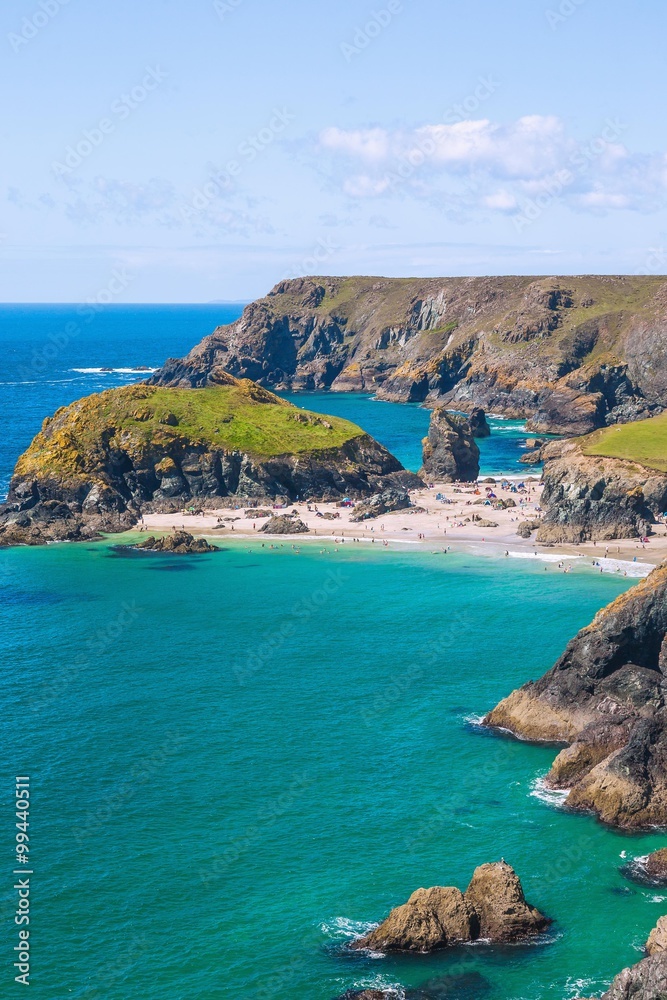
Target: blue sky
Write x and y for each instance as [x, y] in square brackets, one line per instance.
[173, 151]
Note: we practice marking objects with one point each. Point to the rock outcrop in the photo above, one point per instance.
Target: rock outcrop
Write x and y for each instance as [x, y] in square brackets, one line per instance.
[647, 980]
[450, 452]
[568, 353]
[657, 939]
[100, 463]
[606, 697]
[493, 908]
[591, 497]
[655, 865]
[478, 423]
[180, 543]
[381, 503]
[285, 524]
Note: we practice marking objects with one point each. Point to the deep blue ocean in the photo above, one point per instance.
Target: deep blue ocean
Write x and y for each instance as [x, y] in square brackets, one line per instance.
[239, 761]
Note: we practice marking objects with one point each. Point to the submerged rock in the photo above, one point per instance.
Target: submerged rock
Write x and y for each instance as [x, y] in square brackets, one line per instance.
[285, 524]
[180, 543]
[493, 908]
[450, 453]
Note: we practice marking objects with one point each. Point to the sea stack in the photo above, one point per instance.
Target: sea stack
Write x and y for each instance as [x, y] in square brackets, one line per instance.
[478, 423]
[450, 452]
[493, 908]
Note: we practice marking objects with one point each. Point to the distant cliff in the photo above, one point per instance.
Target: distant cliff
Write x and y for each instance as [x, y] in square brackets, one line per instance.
[570, 354]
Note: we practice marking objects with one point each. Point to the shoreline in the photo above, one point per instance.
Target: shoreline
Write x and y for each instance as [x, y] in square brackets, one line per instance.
[430, 522]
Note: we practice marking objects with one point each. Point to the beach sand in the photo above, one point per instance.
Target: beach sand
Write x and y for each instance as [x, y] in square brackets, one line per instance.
[433, 524]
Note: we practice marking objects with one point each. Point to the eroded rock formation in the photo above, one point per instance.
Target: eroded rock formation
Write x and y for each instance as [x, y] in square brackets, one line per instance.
[450, 452]
[492, 908]
[606, 698]
[569, 353]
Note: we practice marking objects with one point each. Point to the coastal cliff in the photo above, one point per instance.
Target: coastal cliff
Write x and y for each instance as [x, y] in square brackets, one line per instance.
[571, 354]
[610, 484]
[606, 697]
[101, 462]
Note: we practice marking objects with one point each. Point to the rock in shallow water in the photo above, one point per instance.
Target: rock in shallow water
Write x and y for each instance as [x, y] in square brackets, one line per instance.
[180, 543]
[285, 524]
[656, 865]
[493, 908]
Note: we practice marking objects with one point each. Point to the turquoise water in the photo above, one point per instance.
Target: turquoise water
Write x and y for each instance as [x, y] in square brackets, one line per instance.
[238, 760]
[401, 427]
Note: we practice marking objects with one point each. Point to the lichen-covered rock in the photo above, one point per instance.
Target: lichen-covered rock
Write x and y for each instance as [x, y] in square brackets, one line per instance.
[493, 908]
[606, 697]
[450, 453]
[285, 524]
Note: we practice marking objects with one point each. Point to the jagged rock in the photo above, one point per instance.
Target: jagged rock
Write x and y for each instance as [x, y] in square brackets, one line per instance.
[606, 697]
[526, 528]
[257, 512]
[478, 423]
[493, 907]
[496, 896]
[180, 543]
[520, 346]
[656, 865]
[647, 980]
[532, 457]
[381, 503]
[450, 453]
[285, 524]
[589, 497]
[657, 939]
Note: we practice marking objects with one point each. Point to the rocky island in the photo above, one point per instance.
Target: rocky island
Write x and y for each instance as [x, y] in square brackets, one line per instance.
[102, 462]
[606, 698]
[570, 354]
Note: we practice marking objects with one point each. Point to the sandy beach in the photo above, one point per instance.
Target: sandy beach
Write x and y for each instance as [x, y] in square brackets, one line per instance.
[444, 515]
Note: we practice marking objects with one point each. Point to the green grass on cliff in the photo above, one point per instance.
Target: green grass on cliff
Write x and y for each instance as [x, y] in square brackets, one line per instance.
[644, 442]
[239, 416]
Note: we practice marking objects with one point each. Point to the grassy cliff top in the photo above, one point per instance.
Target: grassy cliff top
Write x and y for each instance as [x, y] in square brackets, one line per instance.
[644, 441]
[236, 415]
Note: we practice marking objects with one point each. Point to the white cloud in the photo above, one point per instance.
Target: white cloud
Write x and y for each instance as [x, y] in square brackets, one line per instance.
[489, 166]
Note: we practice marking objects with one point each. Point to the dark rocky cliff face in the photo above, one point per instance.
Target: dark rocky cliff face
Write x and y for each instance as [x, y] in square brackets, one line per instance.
[570, 354]
[589, 497]
[607, 698]
[450, 452]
